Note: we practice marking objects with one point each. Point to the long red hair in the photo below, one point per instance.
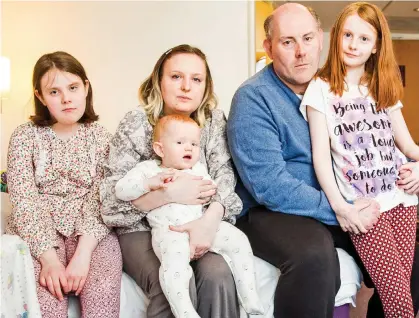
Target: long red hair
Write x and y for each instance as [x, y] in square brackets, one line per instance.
[382, 74]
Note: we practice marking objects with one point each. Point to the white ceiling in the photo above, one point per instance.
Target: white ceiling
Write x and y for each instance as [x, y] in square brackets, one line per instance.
[400, 14]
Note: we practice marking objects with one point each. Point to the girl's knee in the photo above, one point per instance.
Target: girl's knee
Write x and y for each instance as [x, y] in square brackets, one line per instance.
[104, 287]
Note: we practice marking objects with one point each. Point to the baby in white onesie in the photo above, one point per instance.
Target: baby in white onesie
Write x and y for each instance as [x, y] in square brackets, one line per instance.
[177, 144]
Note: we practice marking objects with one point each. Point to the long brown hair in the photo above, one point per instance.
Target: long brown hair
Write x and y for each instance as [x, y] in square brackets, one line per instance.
[150, 95]
[64, 62]
[382, 75]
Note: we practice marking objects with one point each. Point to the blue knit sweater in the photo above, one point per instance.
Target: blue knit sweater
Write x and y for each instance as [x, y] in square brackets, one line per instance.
[270, 144]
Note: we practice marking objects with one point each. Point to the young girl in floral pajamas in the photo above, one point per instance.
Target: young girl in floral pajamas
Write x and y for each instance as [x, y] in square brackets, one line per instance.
[54, 171]
[355, 111]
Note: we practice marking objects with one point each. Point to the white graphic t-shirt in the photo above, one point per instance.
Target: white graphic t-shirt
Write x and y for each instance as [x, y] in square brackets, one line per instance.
[365, 157]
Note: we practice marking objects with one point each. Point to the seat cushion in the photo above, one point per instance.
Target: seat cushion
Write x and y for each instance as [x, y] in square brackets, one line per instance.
[134, 302]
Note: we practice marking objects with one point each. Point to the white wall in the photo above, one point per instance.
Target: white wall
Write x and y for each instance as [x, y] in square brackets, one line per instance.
[326, 45]
[119, 43]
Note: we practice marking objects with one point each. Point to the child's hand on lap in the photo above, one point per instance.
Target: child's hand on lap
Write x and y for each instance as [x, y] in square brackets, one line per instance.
[77, 271]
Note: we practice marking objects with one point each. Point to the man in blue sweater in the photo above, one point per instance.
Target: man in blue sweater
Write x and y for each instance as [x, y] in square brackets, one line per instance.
[286, 216]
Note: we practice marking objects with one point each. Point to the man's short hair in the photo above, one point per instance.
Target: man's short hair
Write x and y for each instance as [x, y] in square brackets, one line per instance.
[267, 25]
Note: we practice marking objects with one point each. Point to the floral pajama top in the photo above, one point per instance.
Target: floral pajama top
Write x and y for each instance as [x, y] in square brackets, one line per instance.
[54, 184]
[132, 143]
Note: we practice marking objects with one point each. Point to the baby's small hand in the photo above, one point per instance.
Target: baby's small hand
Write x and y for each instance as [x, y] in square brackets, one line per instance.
[170, 179]
[159, 180]
[175, 176]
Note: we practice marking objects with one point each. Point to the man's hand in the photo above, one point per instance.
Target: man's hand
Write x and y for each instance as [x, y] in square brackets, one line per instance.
[359, 217]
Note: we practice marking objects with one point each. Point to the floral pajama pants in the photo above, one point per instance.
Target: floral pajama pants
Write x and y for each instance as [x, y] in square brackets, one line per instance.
[100, 296]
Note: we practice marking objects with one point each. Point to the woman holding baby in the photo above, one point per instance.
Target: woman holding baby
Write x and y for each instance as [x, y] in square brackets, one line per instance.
[180, 83]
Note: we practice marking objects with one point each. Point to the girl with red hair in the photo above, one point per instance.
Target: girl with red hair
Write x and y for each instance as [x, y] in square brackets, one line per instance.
[355, 114]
